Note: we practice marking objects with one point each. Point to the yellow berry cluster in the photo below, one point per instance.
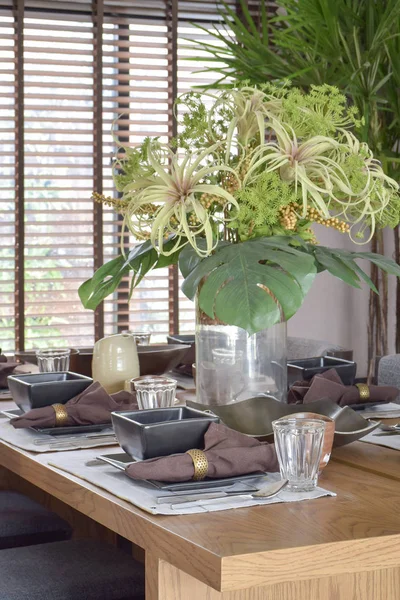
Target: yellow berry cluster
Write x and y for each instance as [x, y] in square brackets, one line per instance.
[116, 203]
[288, 218]
[193, 220]
[208, 199]
[147, 209]
[230, 183]
[334, 222]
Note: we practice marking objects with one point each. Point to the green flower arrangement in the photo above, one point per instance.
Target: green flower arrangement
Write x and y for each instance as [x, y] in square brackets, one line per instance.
[233, 199]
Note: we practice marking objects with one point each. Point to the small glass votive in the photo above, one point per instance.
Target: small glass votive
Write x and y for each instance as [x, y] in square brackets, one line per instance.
[53, 359]
[298, 444]
[142, 338]
[154, 392]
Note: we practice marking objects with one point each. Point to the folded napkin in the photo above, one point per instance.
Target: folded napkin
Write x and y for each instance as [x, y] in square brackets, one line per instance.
[229, 453]
[93, 406]
[6, 368]
[329, 385]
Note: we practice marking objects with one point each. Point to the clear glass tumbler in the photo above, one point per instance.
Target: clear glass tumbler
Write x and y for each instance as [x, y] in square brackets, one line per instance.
[53, 360]
[142, 338]
[298, 444]
[155, 392]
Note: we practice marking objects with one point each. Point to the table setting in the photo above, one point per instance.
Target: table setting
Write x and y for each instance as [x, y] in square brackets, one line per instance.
[174, 459]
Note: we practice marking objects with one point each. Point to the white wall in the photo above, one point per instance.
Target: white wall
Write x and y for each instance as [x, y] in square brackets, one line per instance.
[338, 313]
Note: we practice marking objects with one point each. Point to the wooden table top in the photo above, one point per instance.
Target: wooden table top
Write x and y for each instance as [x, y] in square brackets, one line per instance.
[233, 549]
[370, 458]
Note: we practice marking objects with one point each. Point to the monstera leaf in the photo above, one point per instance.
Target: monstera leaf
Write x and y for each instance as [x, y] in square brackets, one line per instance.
[253, 284]
[140, 260]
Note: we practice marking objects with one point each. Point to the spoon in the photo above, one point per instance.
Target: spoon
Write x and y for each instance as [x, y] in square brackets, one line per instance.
[271, 489]
[395, 427]
[268, 491]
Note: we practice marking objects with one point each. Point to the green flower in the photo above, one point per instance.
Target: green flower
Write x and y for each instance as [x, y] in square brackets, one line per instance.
[322, 111]
[261, 202]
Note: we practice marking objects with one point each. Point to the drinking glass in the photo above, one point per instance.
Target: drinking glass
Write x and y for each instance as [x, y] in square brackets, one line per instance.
[142, 338]
[155, 392]
[52, 360]
[298, 444]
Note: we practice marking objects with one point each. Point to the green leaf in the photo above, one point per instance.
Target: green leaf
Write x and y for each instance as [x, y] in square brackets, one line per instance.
[141, 259]
[348, 260]
[382, 262]
[189, 259]
[336, 266]
[253, 284]
[341, 263]
[103, 283]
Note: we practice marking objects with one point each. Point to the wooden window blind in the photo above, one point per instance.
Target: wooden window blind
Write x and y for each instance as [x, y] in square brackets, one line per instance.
[68, 70]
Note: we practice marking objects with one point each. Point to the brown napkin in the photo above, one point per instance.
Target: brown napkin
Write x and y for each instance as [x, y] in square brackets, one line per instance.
[93, 406]
[229, 453]
[6, 368]
[329, 385]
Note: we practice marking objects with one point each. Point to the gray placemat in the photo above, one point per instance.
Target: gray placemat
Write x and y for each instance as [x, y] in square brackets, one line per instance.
[389, 441]
[144, 495]
[26, 438]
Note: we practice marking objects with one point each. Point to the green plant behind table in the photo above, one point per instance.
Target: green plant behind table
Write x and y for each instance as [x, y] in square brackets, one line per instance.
[234, 198]
[352, 44]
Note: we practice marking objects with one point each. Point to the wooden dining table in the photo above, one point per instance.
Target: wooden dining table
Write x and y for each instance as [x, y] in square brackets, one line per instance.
[334, 548]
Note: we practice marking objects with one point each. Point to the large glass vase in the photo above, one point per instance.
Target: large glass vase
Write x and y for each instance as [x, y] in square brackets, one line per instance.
[232, 365]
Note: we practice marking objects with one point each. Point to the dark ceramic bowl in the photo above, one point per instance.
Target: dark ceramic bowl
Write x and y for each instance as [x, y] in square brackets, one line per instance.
[44, 389]
[254, 417]
[185, 366]
[305, 369]
[157, 359]
[161, 431]
[29, 356]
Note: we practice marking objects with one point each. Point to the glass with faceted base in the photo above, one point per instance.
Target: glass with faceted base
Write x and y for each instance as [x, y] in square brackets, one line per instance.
[298, 444]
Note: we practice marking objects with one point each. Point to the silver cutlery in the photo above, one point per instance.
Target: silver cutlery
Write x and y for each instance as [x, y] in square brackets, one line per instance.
[385, 427]
[62, 441]
[209, 493]
[268, 491]
[271, 489]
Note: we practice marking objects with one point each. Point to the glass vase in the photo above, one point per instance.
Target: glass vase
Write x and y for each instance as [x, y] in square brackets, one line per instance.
[232, 365]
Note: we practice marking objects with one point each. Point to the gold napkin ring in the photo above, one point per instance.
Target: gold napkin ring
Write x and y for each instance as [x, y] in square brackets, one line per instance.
[61, 414]
[200, 464]
[364, 391]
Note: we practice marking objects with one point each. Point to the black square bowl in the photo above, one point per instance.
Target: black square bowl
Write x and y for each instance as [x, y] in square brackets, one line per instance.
[161, 431]
[305, 368]
[43, 389]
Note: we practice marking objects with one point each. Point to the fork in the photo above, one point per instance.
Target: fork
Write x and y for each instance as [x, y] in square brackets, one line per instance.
[268, 491]
[73, 439]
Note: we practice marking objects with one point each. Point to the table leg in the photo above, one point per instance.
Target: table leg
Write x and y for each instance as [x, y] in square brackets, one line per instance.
[166, 582]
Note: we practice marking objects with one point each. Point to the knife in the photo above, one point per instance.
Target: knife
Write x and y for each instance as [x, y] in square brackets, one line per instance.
[179, 498]
[268, 491]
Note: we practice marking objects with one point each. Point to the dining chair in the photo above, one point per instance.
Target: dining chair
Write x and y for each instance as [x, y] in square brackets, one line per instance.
[24, 522]
[389, 370]
[298, 348]
[70, 570]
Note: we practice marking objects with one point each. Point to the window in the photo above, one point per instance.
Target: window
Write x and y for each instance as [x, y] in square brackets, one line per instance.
[70, 72]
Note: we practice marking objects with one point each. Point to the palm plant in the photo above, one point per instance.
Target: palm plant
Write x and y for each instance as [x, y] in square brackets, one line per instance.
[352, 44]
